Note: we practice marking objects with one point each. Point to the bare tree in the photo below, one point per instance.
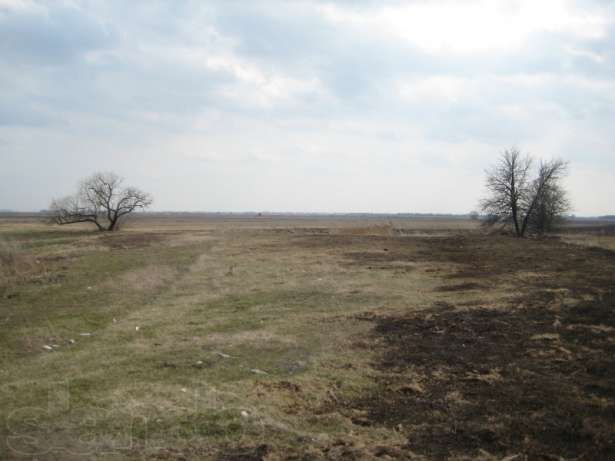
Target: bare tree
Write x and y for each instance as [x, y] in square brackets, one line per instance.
[507, 183]
[549, 199]
[523, 203]
[101, 200]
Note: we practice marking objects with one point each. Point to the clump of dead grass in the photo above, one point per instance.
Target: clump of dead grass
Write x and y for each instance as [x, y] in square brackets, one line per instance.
[149, 278]
[588, 240]
[381, 229]
[8, 256]
[15, 263]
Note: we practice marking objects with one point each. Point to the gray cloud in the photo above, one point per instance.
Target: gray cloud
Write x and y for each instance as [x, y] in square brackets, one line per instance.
[249, 104]
[53, 37]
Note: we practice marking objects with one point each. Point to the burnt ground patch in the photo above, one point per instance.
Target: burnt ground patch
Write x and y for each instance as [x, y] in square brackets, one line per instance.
[245, 454]
[478, 255]
[462, 287]
[532, 377]
[520, 381]
[555, 263]
[482, 260]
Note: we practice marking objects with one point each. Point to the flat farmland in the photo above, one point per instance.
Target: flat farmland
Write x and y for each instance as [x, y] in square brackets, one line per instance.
[270, 338]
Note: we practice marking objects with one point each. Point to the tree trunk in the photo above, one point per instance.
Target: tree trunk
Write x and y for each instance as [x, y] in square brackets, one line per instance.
[113, 220]
[515, 215]
[100, 228]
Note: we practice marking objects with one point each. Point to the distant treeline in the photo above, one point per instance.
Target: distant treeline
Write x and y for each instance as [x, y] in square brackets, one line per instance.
[271, 214]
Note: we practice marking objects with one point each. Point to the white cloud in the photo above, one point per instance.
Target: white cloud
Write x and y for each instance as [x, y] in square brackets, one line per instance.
[474, 26]
[441, 89]
[599, 182]
[359, 106]
[21, 5]
[256, 87]
[598, 58]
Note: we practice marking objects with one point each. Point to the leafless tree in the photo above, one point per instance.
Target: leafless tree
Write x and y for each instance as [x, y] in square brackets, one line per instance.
[507, 183]
[549, 199]
[101, 200]
[523, 203]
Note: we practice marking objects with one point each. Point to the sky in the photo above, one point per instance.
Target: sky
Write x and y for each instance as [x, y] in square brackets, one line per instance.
[304, 106]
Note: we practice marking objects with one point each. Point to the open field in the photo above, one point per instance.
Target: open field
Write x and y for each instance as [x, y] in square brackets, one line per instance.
[270, 338]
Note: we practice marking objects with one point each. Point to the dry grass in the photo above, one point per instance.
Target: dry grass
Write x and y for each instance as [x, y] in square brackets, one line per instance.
[9, 255]
[16, 264]
[268, 339]
[597, 241]
[145, 279]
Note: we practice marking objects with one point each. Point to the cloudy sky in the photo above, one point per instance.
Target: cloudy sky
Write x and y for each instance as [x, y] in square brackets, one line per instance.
[381, 106]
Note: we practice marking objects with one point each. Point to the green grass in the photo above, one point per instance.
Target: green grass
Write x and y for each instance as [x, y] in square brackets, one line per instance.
[210, 342]
[68, 298]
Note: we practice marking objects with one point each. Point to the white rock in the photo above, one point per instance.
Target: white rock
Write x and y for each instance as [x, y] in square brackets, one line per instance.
[85, 334]
[49, 348]
[136, 328]
[223, 355]
[244, 413]
[258, 372]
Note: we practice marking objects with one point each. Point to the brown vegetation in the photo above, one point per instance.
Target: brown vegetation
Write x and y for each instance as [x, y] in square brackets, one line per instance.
[264, 339]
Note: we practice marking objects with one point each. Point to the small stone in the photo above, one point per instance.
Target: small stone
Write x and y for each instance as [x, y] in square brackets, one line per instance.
[258, 372]
[72, 341]
[85, 334]
[49, 348]
[222, 354]
[136, 328]
[244, 413]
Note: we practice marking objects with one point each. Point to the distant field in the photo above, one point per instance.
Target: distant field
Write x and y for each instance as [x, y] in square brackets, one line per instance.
[247, 338]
